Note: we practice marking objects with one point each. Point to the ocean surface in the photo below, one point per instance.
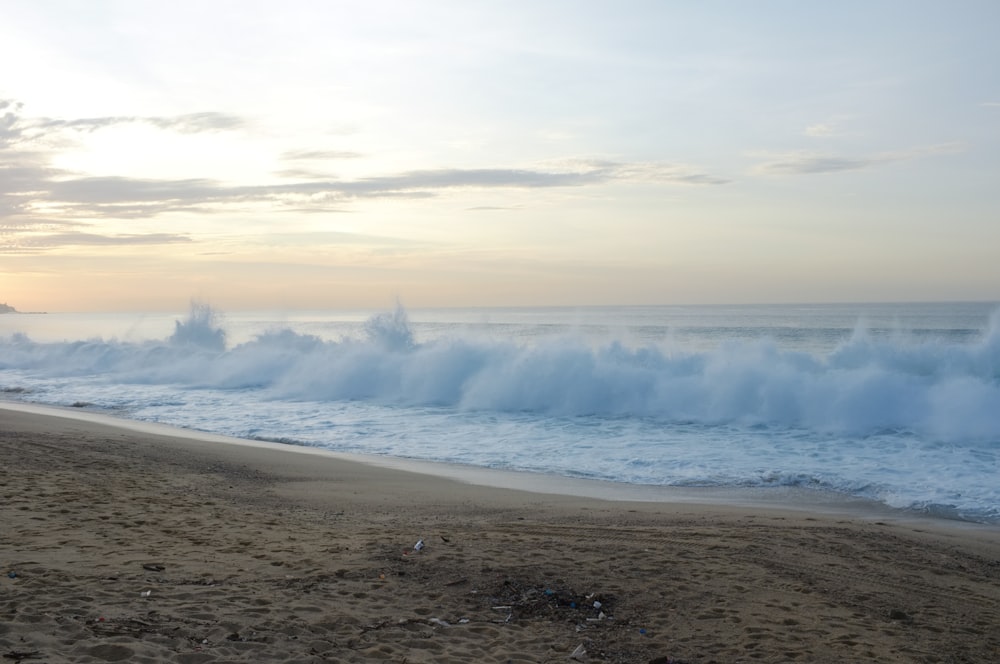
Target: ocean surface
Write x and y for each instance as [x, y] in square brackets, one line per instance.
[897, 403]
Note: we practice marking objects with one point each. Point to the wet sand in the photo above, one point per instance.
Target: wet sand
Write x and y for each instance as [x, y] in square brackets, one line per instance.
[119, 544]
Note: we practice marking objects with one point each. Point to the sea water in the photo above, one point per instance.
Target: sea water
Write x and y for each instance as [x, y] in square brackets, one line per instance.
[898, 403]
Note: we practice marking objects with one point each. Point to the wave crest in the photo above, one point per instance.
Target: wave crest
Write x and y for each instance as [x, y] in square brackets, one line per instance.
[947, 391]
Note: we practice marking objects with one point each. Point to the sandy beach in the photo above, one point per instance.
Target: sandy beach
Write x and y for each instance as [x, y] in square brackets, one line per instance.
[120, 545]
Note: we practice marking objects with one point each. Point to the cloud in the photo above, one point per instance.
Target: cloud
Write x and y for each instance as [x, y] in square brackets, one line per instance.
[310, 155]
[681, 174]
[30, 186]
[64, 239]
[24, 175]
[10, 123]
[119, 196]
[185, 124]
[35, 194]
[831, 127]
[301, 174]
[324, 238]
[36, 242]
[111, 190]
[16, 129]
[483, 178]
[821, 130]
[19, 223]
[805, 163]
[193, 123]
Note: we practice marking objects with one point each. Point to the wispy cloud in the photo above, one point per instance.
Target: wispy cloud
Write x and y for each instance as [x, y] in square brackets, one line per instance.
[10, 123]
[194, 123]
[65, 239]
[681, 174]
[110, 193]
[319, 155]
[808, 163]
[43, 207]
[124, 197]
[37, 199]
[822, 130]
[37, 242]
[301, 174]
[29, 185]
[15, 128]
[805, 164]
[191, 123]
[831, 127]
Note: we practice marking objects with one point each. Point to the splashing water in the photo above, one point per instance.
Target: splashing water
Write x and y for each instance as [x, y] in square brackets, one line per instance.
[200, 329]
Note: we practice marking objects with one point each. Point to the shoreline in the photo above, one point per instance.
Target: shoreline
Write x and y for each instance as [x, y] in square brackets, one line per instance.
[790, 499]
[122, 544]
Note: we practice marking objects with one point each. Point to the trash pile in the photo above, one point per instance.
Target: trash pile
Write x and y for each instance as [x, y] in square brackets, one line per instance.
[530, 600]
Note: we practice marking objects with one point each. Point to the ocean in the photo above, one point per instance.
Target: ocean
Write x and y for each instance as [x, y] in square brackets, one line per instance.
[894, 403]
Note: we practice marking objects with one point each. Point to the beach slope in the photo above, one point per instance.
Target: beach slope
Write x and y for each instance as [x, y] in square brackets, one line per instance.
[120, 545]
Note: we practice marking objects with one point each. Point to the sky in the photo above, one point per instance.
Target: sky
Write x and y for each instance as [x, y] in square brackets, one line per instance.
[344, 154]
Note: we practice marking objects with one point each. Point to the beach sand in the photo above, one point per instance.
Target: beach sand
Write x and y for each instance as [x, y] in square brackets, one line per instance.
[121, 545]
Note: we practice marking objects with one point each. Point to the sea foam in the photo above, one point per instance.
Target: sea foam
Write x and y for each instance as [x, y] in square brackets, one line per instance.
[945, 391]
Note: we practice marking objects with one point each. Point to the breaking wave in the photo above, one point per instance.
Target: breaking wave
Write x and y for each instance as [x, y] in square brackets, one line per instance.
[943, 390]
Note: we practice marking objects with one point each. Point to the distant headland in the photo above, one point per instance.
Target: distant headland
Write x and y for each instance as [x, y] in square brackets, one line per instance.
[7, 309]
